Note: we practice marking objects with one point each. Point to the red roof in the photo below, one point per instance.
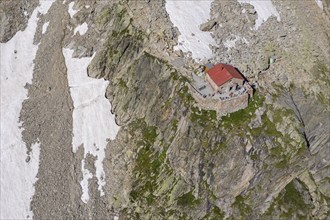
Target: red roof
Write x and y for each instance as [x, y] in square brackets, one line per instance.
[221, 73]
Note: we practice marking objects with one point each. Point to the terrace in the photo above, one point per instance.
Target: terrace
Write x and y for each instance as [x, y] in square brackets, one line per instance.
[205, 90]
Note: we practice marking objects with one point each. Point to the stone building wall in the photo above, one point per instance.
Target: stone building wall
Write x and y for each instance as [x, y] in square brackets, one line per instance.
[234, 104]
[226, 86]
[222, 107]
[212, 83]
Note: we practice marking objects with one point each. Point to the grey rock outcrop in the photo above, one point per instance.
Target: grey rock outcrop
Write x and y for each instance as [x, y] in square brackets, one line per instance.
[208, 25]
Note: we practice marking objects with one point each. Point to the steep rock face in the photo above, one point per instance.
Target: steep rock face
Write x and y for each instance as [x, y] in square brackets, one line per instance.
[194, 165]
[297, 81]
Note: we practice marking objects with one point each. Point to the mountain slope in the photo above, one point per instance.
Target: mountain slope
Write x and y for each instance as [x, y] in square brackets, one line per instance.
[166, 158]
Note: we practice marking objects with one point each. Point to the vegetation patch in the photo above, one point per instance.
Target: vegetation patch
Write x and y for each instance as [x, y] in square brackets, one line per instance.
[174, 75]
[293, 197]
[217, 147]
[148, 165]
[203, 116]
[289, 204]
[243, 208]
[254, 156]
[174, 125]
[185, 96]
[104, 17]
[282, 164]
[122, 84]
[322, 73]
[188, 200]
[215, 214]
[243, 116]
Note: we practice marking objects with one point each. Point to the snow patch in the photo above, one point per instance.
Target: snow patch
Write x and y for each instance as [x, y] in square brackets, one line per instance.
[44, 27]
[45, 6]
[93, 123]
[230, 43]
[18, 170]
[264, 8]
[87, 6]
[187, 16]
[319, 3]
[82, 29]
[84, 183]
[71, 11]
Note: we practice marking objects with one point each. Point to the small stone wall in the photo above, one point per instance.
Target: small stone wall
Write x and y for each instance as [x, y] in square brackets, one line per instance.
[235, 104]
[222, 107]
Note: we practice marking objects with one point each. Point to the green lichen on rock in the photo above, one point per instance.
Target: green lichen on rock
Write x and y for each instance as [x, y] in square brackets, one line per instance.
[148, 165]
[202, 116]
[322, 72]
[186, 97]
[124, 42]
[244, 209]
[115, 14]
[242, 117]
[103, 17]
[187, 200]
[215, 214]
[291, 203]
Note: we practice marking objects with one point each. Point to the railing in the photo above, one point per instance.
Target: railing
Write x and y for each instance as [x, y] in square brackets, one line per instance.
[242, 91]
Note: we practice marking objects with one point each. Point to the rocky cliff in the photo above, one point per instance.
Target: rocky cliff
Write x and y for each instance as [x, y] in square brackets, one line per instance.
[256, 163]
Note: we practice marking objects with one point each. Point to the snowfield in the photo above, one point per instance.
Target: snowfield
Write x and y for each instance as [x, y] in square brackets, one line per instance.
[82, 29]
[265, 9]
[319, 3]
[231, 42]
[71, 11]
[93, 122]
[187, 16]
[17, 176]
[44, 27]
